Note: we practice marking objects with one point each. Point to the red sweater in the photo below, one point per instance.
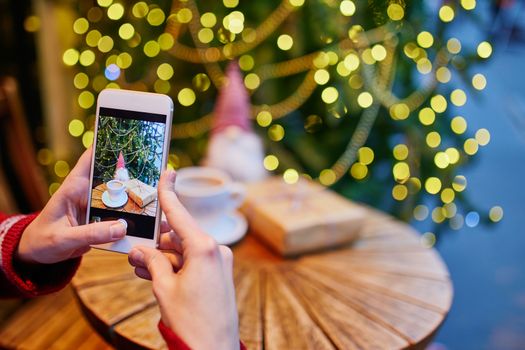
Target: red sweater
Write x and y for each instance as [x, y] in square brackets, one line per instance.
[23, 280]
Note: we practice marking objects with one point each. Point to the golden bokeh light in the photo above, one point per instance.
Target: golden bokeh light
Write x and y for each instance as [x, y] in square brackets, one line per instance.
[284, 42]
[443, 75]
[399, 111]
[230, 3]
[321, 76]
[458, 97]
[446, 13]
[365, 155]
[347, 7]
[86, 99]
[441, 160]
[276, 132]
[70, 57]
[470, 146]
[252, 81]
[151, 48]
[208, 20]
[124, 60]
[291, 176]
[205, 35]
[61, 168]
[479, 82]
[81, 80]
[433, 185]
[93, 37]
[186, 97]
[459, 183]
[458, 125]
[433, 139]
[399, 192]
[484, 49]
[80, 26]
[401, 172]
[165, 71]
[447, 196]
[156, 17]
[358, 171]
[468, 4]
[246, 62]
[201, 82]
[105, 44]
[271, 162]
[378, 52]
[425, 39]
[264, 118]
[87, 138]
[327, 177]
[115, 11]
[427, 116]
[438, 103]
[496, 214]
[140, 9]
[126, 31]
[329, 94]
[400, 152]
[351, 61]
[453, 46]
[482, 137]
[453, 155]
[395, 12]
[365, 99]
[76, 128]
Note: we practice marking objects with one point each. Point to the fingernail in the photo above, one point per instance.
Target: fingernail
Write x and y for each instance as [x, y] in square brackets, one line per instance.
[136, 255]
[118, 230]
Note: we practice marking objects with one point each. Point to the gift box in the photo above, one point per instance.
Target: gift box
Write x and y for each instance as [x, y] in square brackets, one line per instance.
[141, 193]
[298, 218]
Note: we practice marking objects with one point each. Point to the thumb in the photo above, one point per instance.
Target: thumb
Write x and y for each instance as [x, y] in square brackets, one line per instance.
[157, 264]
[95, 233]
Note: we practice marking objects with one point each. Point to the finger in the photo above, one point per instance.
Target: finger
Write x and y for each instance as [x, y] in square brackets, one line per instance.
[174, 258]
[164, 227]
[178, 217]
[158, 265]
[170, 241]
[143, 273]
[95, 233]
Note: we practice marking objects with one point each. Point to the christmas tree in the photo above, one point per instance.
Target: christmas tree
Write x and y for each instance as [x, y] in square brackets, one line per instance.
[355, 94]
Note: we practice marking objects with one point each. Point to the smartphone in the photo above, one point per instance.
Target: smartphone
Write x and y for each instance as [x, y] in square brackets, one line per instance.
[130, 149]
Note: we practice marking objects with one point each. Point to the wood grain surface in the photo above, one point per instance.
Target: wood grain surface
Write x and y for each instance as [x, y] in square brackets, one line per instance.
[385, 291]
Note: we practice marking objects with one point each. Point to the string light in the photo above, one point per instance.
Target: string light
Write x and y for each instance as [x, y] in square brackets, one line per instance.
[369, 83]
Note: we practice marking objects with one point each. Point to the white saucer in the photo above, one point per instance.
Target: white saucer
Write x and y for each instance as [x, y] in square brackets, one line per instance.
[119, 202]
[227, 230]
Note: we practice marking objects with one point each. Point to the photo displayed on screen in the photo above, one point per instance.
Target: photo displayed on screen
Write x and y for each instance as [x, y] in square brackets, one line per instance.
[128, 160]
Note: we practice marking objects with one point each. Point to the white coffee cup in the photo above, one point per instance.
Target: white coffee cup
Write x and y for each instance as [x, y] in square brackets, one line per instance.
[208, 193]
[115, 189]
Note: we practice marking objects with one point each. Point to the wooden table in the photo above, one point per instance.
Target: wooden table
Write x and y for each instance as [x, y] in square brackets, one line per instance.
[129, 207]
[386, 291]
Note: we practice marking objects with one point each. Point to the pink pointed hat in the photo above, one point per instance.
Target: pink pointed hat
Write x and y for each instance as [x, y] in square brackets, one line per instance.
[233, 104]
[120, 162]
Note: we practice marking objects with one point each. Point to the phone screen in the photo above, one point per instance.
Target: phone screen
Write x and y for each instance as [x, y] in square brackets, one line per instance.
[128, 160]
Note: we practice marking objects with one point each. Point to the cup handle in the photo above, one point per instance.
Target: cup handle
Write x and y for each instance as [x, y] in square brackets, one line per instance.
[237, 195]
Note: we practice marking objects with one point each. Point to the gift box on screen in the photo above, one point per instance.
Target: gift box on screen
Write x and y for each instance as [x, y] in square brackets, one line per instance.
[141, 193]
[302, 217]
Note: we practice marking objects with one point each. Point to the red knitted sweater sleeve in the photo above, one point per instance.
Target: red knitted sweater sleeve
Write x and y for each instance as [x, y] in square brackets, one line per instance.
[24, 280]
[176, 343]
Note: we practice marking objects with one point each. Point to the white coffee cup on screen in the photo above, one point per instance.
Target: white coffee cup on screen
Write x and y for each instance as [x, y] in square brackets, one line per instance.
[115, 189]
[208, 193]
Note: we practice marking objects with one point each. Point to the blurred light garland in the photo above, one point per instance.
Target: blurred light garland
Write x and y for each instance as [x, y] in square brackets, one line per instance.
[366, 59]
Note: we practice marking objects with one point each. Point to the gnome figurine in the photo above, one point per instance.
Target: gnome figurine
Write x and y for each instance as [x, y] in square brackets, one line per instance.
[234, 147]
[121, 173]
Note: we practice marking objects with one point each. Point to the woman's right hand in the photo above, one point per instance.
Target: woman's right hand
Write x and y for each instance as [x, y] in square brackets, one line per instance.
[192, 278]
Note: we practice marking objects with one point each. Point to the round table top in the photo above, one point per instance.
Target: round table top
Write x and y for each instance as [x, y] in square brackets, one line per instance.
[384, 291]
